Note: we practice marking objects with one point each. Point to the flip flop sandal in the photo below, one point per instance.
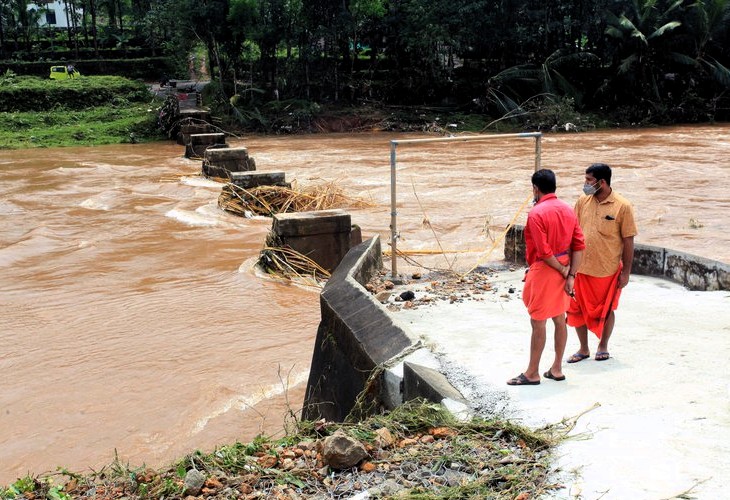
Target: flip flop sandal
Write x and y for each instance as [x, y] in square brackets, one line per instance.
[602, 356]
[578, 357]
[549, 374]
[522, 380]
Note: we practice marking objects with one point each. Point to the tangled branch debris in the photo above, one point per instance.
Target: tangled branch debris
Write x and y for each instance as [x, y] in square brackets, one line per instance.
[270, 200]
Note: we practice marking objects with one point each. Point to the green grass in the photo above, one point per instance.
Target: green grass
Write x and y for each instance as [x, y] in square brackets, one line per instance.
[86, 111]
[133, 122]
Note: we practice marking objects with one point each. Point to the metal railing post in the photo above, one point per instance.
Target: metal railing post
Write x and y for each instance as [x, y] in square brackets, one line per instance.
[393, 213]
[394, 144]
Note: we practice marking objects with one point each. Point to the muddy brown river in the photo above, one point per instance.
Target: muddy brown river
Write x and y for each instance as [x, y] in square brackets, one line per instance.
[131, 318]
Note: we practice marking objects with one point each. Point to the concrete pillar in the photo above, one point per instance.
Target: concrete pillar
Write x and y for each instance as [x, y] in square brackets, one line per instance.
[200, 142]
[199, 115]
[221, 162]
[249, 180]
[323, 235]
[188, 129]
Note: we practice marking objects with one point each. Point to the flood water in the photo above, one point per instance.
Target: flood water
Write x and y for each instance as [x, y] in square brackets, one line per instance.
[131, 318]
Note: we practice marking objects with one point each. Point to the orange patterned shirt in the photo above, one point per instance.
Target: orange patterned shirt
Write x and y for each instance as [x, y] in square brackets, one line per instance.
[605, 224]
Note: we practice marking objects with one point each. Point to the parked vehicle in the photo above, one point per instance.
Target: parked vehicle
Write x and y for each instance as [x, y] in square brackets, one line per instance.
[64, 72]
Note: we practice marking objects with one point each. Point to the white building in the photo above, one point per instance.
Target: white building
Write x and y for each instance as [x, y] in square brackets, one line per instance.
[52, 13]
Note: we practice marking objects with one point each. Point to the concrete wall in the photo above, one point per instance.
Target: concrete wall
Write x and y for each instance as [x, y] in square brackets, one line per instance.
[360, 348]
[692, 271]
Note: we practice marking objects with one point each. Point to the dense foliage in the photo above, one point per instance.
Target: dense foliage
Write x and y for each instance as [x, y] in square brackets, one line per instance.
[635, 61]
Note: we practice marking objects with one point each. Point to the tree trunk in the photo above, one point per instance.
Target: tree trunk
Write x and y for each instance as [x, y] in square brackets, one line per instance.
[75, 29]
[2, 37]
[121, 18]
[94, 37]
[68, 22]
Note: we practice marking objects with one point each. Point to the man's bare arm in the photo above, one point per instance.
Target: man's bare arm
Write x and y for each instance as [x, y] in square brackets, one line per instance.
[627, 258]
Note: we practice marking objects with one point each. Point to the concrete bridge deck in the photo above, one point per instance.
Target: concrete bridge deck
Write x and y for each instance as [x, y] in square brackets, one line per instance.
[663, 424]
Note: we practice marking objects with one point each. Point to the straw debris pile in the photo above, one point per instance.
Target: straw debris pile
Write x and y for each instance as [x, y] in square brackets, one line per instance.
[270, 200]
[282, 261]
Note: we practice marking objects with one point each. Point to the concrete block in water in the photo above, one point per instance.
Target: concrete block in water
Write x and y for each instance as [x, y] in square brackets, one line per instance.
[199, 115]
[322, 235]
[221, 162]
[249, 180]
[188, 129]
[199, 143]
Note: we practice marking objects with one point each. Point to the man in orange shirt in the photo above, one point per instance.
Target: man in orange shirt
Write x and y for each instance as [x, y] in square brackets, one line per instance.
[607, 220]
[554, 246]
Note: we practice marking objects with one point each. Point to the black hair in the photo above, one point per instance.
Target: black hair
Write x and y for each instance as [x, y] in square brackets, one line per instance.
[600, 171]
[544, 179]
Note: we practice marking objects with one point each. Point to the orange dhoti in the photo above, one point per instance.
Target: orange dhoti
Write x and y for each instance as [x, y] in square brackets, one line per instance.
[595, 298]
[544, 292]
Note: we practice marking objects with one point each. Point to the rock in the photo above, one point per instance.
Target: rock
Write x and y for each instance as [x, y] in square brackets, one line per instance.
[383, 297]
[194, 481]
[407, 442]
[416, 276]
[384, 438]
[441, 432]
[213, 483]
[367, 467]
[388, 285]
[267, 461]
[407, 295]
[388, 489]
[340, 451]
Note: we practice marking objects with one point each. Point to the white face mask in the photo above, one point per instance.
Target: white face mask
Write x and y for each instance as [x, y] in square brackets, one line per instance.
[590, 189]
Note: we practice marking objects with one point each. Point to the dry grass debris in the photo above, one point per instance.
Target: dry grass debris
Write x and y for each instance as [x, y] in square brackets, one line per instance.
[270, 200]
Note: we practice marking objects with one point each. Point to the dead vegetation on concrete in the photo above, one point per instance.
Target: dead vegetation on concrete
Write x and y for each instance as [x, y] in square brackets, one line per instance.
[417, 451]
[437, 286]
[270, 200]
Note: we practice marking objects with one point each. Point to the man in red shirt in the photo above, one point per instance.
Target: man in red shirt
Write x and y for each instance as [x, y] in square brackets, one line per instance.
[554, 247]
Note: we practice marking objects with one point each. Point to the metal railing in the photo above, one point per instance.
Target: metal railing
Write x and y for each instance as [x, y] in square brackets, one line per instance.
[393, 145]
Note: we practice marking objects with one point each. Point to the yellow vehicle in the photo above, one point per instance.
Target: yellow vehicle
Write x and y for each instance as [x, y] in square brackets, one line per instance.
[64, 72]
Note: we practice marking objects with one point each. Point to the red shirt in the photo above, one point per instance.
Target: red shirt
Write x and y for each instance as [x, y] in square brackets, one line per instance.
[552, 229]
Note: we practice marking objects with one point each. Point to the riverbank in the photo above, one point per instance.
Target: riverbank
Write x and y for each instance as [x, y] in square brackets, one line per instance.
[417, 451]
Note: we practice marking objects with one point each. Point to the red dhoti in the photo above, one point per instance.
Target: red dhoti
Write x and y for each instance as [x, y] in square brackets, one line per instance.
[544, 292]
[595, 298]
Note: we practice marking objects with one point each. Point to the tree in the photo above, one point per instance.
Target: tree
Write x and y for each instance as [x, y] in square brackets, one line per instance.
[708, 22]
[644, 49]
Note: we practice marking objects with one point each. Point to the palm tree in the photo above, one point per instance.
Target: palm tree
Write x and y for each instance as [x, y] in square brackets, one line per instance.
[708, 21]
[548, 78]
[644, 47]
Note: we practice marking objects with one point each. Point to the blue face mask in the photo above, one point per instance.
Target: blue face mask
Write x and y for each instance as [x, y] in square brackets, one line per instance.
[590, 189]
